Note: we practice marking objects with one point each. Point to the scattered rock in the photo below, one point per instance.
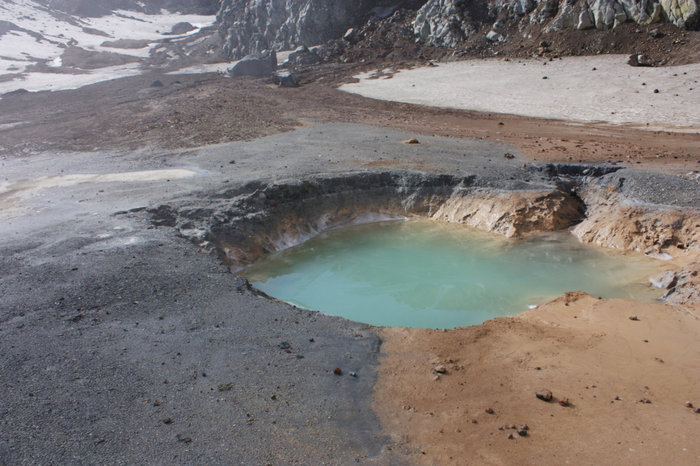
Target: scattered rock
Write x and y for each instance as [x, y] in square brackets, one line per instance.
[635, 318]
[303, 56]
[564, 402]
[440, 369]
[338, 371]
[645, 401]
[696, 410]
[183, 439]
[638, 59]
[225, 387]
[285, 79]
[352, 374]
[157, 83]
[350, 34]
[490, 411]
[284, 345]
[510, 436]
[656, 91]
[656, 34]
[493, 36]
[181, 28]
[167, 420]
[411, 141]
[509, 156]
[666, 280]
[544, 395]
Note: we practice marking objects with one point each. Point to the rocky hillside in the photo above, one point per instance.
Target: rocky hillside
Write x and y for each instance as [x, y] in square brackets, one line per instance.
[248, 27]
[448, 22]
[104, 7]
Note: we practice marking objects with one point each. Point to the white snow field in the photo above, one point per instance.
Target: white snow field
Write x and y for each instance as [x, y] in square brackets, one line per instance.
[584, 89]
[41, 36]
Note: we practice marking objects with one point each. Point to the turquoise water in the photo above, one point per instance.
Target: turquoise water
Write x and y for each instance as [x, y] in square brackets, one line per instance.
[425, 274]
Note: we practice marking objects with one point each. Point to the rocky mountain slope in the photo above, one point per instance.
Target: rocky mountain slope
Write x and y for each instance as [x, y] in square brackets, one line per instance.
[103, 7]
[248, 27]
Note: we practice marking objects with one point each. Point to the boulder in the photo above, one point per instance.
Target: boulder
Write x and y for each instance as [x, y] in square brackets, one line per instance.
[638, 59]
[181, 28]
[285, 79]
[262, 64]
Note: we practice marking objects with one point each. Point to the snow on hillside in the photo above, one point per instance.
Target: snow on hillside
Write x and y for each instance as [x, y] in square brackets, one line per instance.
[33, 40]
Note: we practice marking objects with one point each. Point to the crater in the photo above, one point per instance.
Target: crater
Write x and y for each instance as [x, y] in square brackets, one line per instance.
[520, 260]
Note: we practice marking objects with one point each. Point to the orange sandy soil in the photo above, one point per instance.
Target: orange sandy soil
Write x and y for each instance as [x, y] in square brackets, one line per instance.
[581, 348]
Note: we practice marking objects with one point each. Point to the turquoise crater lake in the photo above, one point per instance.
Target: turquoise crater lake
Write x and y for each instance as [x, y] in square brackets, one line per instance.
[425, 274]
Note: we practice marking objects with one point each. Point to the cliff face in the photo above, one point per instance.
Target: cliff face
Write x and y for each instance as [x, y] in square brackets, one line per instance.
[252, 26]
[448, 22]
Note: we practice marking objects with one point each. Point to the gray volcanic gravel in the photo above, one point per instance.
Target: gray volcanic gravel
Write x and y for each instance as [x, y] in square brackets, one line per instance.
[121, 342]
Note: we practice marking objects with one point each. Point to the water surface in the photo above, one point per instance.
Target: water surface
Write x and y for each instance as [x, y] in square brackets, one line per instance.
[420, 273]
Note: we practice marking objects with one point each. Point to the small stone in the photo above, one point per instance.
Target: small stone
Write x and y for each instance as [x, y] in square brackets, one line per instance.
[509, 156]
[440, 369]
[634, 318]
[490, 411]
[411, 141]
[688, 404]
[544, 395]
[167, 420]
[656, 91]
[338, 371]
[183, 439]
[500, 123]
[564, 402]
[545, 77]
[225, 387]
[522, 432]
[352, 374]
[696, 410]
[510, 436]
[645, 401]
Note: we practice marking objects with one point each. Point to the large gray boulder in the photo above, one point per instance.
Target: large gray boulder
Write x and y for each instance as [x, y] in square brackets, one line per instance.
[262, 64]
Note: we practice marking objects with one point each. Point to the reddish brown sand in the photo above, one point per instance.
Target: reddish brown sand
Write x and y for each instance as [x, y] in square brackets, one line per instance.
[581, 348]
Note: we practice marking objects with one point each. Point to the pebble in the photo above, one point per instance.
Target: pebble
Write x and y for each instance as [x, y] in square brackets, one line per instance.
[167, 420]
[411, 141]
[688, 404]
[645, 401]
[440, 369]
[564, 402]
[338, 371]
[490, 411]
[352, 374]
[634, 318]
[544, 395]
[510, 436]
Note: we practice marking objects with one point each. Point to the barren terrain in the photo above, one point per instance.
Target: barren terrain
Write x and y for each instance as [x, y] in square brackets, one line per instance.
[120, 341]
